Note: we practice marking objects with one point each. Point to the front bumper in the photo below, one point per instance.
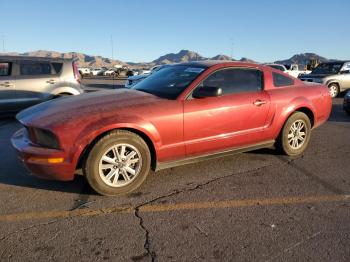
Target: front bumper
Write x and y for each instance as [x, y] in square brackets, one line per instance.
[42, 162]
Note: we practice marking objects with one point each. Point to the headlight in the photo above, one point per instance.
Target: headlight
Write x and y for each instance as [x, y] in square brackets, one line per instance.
[43, 138]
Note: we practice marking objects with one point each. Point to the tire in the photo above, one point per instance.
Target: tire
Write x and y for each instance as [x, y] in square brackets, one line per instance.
[285, 142]
[334, 90]
[97, 170]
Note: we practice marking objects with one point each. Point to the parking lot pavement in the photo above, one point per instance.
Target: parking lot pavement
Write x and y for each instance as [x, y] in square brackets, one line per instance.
[257, 206]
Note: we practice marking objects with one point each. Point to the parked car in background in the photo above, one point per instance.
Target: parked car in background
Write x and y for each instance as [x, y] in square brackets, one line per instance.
[112, 72]
[85, 71]
[180, 114]
[25, 81]
[335, 75]
[346, 103]
[98, 71]
[133, 80]
[293, 69]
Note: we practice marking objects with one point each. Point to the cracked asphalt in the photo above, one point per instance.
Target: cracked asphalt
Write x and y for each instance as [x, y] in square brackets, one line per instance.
[256, 206]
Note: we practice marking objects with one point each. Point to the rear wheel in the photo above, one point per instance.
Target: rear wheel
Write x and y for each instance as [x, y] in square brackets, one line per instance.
[295, 135]
[118, 163]
[334, 90]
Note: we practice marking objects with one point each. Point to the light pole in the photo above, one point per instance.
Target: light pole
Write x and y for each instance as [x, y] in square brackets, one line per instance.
[3, 43]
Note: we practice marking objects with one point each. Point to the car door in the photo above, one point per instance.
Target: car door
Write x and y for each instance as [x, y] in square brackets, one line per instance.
[7, 87]
[35, 81]
[235, 119]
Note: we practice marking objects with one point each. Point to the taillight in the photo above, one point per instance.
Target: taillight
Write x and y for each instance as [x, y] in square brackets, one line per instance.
[76, 72]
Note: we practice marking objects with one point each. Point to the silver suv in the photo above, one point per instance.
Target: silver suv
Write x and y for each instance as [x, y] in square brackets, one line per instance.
[336, 75]
[25, 81]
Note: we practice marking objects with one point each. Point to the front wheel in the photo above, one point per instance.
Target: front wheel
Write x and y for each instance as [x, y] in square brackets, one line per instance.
[295, 135]
[118, 163]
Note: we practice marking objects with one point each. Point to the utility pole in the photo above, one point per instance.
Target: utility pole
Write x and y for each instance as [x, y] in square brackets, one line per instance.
[3, 43]
[112, 46]
[232, 43]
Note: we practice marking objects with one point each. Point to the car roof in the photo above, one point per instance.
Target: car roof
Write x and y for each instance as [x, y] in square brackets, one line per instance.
[35, 58]
[210, 63]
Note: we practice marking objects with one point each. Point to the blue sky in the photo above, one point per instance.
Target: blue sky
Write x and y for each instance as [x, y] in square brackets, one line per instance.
[143, 30]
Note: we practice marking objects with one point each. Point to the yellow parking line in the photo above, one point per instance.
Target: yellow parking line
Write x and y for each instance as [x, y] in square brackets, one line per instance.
[174, 207]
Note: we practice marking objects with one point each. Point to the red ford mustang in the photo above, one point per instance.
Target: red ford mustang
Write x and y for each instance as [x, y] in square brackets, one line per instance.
[180, 114]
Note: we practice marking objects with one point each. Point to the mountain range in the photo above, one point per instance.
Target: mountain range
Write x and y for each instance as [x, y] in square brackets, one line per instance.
[182, 56]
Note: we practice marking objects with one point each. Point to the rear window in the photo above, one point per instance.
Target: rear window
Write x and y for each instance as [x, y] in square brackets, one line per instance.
[5, 68]
[281, 80]
[35, 68]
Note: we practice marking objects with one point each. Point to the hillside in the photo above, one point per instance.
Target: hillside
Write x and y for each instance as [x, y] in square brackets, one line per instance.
[302, 59]
[182, 56]
[83, 59]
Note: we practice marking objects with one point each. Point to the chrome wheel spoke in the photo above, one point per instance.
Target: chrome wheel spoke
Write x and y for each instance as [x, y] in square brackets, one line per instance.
[130, 155]
[130, 170]
[110, 174]
[132, 161]
[108, 160]
[122, 152]
[125, 175]
[108, 166]
[116, 177]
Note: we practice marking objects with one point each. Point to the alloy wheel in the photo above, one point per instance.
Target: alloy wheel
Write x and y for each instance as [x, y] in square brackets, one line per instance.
[297, 134]
[120, 165]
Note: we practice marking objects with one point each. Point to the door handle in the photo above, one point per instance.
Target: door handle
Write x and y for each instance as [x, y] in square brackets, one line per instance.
[7, 84]
[51, 81]
[259, 102]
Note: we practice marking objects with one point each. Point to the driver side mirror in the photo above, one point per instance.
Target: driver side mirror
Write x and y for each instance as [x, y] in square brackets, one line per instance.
[207, 91]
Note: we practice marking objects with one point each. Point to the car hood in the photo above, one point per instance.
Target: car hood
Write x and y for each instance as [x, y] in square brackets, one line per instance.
[85, 107]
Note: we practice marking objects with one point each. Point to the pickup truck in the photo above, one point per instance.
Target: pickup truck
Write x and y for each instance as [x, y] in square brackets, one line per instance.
[293, 69]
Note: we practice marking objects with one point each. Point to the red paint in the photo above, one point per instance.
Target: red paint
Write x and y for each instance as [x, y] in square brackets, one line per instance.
[177, 128]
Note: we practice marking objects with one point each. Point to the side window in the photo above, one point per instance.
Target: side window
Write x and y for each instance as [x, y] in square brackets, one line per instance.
[57, 67]
[35, 68]
[235, 80]
[281, 80]
[5, 68]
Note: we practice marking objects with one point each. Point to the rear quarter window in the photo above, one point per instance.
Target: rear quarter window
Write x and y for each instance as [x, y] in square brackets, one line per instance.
[57, 67]
[5, 68]
[280, 80]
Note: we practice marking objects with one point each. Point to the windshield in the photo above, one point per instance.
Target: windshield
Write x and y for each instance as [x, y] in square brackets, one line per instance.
[169, 82]
[327, 68]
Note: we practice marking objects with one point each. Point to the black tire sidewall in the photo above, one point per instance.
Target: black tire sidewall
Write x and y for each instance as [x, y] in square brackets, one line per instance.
[92, 162]
[284, 135]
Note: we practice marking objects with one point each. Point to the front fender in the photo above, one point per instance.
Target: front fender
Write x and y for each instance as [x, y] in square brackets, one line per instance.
[101, 126]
